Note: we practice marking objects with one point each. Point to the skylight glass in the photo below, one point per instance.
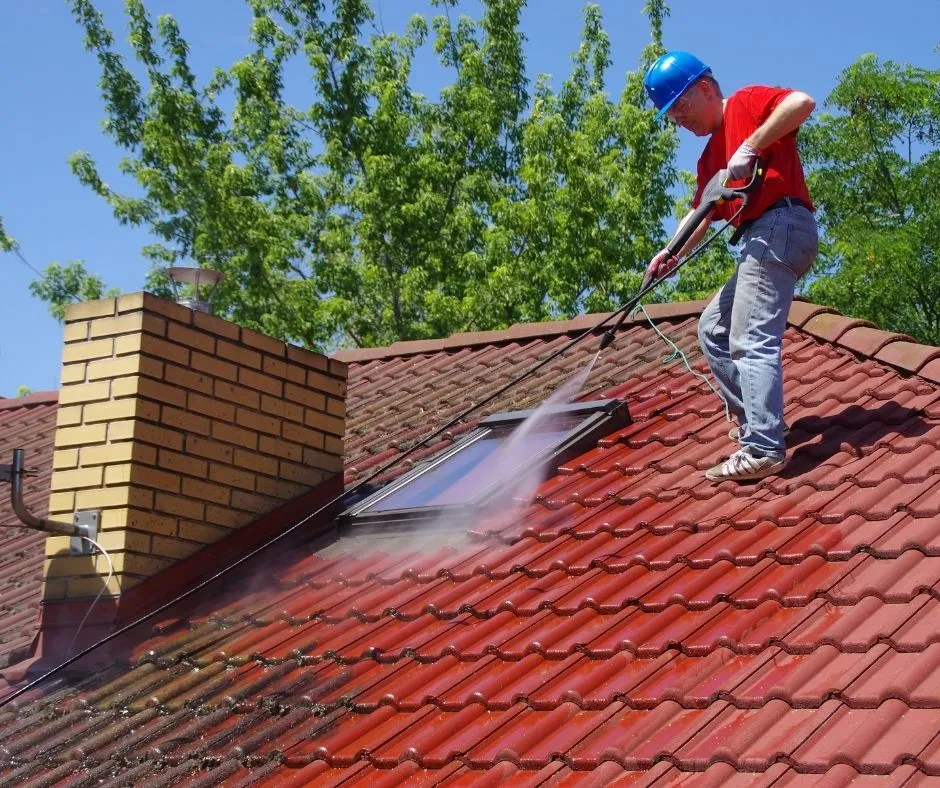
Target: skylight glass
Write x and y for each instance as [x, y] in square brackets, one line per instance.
[503, 448]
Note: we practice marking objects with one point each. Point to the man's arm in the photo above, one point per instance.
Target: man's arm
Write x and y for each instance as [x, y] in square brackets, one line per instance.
[788, 116]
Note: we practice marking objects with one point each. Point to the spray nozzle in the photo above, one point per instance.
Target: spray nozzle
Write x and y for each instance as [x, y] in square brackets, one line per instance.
[607, 339]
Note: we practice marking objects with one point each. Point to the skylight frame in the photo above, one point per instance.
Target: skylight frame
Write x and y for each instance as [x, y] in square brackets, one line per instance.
[599, 418]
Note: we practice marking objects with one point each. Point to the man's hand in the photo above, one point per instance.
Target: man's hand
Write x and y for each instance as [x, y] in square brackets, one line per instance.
[661, 265]
[741, 164]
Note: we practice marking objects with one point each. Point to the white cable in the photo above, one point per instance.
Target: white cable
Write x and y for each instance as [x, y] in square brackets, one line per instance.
[676, 350]
[103, 588]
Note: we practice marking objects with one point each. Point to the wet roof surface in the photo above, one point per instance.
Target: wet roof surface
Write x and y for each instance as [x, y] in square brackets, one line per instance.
[25, 423]
[635, 623]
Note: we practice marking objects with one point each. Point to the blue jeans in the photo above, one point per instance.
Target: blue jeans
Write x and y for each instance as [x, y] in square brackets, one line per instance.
[741, 330]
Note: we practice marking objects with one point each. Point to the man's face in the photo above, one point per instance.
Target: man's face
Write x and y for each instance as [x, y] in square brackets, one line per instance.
[693, 110]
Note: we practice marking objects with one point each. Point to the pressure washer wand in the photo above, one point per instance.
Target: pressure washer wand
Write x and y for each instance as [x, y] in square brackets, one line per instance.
[714, 193]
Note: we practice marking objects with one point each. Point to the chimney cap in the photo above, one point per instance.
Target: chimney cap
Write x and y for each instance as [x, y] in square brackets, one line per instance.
[197, 277]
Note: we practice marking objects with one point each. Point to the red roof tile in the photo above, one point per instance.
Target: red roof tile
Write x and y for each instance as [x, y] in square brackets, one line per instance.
[25, 423]
[633, 624]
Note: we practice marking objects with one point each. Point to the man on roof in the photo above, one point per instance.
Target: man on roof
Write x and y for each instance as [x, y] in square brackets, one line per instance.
[741, 330]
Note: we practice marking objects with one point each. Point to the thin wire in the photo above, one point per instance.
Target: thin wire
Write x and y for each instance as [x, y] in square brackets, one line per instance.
[16, 250]
[103, 588]
[328, 505]
[677, 352]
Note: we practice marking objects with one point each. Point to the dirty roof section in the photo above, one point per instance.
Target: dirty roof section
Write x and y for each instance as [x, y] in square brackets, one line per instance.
[25, 423]
[635, 623]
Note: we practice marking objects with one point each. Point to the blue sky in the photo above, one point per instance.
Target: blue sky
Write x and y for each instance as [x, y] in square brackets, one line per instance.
[51, 108]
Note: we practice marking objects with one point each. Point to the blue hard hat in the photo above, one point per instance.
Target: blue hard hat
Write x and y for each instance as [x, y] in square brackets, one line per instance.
[670, 76]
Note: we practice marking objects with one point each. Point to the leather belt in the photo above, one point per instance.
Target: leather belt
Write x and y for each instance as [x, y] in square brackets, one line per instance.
[783, 202]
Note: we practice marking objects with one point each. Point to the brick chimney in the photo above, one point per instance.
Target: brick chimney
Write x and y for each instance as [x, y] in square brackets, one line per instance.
[179, 428]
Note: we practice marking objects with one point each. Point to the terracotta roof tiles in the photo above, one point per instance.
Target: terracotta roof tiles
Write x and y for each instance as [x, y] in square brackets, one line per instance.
[634, 624]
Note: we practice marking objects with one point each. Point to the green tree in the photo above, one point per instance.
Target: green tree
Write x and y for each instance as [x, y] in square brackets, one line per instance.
[375, 213]
[876, 178]
[7, 244]
[61, 285]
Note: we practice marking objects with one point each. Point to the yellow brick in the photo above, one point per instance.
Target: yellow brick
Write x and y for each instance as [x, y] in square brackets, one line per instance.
[282, 408]
[308, 437]
[151, 389]
[227, 517]
[202, 533]
[160, 480]
[84, 392]
[117, 474]
[145, 565]
[107, 497]
[65, 459]
[173, 548]
[85, 587]
[73, 373]
[260, 382]
[118, 452]
[170, 309]
[124, 539]
[321, 382]
[237, 394]
[193, 339]
[85, 310]
[339, 369]
[122, 409]
[75, 480]
[336, 407]
[185, 421]
[308, 358]
[231, 477]
[84, 351]
[214, 366]
[274, 366]
[236, 435]
[209, 406]
[193, 488]
[312, 399]
[183, 464]
[138, 520]
[113, 367]
[77, 331]
[240, 355]
[202, 447]
[333, 445]
[279, 488]
[113, 410]
[127, 344]
[289, 451]
[56, 588]
[258, 422]
[68, 416]
[159, 348]
[130, 302]
[322, 460]
[324, 422]
[61, 502]
[301, 474]
[270, 345]
[216, 325]
[120, 430]
[187, 379]
[158, 436]
[252, 502]
[183, 507]
[58, 545]
[77, 565]
[111, 326]
[255, 462]
[79, 436]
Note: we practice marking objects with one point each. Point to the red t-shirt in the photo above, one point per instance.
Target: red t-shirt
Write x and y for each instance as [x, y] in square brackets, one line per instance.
[745, 110]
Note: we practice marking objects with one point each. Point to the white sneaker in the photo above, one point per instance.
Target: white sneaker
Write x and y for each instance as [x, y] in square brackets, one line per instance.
[741, 466]
[735, 433]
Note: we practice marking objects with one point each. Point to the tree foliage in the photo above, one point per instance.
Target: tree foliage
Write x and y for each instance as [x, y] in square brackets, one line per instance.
[62, 285]
[375, 213]
[876, 178]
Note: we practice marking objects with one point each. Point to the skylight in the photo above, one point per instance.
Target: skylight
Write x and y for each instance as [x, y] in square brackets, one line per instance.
[502, 450]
